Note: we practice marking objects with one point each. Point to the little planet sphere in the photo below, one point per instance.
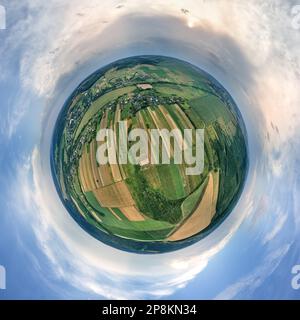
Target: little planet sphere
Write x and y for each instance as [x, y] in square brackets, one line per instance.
[149, 154]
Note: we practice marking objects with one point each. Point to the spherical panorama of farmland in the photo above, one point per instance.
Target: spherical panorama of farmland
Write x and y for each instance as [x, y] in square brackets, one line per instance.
[149, 154]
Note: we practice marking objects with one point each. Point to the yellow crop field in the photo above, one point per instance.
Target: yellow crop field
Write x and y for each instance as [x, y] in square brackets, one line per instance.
[132, 213]
[116, 195]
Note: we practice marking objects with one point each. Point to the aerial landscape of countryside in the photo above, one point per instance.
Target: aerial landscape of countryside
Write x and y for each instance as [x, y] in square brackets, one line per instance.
[146, 207]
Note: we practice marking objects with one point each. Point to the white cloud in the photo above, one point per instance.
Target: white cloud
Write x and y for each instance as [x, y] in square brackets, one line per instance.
[248, 284]
[278, 225]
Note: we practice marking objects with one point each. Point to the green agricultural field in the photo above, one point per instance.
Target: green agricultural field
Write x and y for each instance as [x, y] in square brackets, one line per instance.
[210, 108]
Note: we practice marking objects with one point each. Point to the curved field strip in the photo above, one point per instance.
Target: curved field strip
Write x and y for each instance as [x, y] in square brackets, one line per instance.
[84, 169]
[201, 217]
[191, 202]
[159, 125]
[104, 171]
[95, 216]
[114, 214]
[149, 235]
[181, 90]
[78, 207]
[97, 105]
[82, 176]
[113, 152]
[93, 163]
[187, 124]
[216, 177]
[88, 169]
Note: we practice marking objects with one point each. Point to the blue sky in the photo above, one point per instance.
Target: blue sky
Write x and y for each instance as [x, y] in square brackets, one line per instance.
[49, 47]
